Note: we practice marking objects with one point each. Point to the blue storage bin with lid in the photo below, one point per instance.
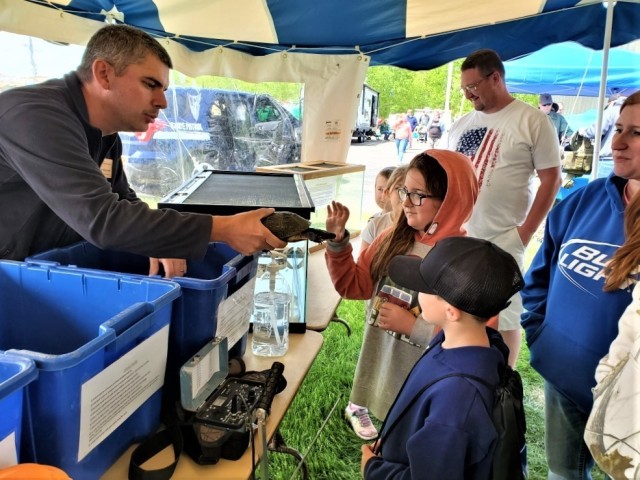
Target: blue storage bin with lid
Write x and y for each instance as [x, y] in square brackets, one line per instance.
[221, 275]
[15, 373]
[99, 344]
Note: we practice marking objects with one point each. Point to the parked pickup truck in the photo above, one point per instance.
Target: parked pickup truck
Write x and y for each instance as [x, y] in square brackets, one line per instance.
[219, 129]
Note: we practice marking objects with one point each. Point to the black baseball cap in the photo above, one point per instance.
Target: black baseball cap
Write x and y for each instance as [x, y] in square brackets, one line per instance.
[474, 275]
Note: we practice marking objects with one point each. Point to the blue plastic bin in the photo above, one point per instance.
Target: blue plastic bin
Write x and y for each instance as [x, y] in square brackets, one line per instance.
[15, 373]
[74, 324]
[194, 319]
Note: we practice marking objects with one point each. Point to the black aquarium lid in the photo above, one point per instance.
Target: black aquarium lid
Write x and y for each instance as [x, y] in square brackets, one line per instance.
[217, 192]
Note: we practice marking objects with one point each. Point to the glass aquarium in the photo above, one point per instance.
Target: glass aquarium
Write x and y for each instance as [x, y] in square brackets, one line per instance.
[227, 193]
[327, 181]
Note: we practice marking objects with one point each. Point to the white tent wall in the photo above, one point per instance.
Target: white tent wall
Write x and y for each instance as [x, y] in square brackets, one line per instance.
[329, 80]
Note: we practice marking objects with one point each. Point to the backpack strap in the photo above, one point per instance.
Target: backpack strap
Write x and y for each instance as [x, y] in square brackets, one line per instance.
[414, 400]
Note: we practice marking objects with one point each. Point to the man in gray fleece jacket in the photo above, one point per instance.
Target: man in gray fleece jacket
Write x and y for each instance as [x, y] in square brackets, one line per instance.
[61, 172]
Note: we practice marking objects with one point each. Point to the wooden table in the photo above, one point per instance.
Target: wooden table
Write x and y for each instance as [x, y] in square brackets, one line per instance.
[322, 298]
[303, 349]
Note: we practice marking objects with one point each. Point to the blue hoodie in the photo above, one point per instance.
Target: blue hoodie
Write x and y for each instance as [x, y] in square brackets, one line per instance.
[446, 432]
[569, 320]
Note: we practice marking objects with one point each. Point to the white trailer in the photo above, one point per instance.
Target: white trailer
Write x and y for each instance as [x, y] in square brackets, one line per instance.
[367, 114]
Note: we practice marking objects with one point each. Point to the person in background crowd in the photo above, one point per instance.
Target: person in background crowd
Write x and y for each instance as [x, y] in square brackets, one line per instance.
[413, 121]
[509, 142]
[384, 129]
[402, 133]
[57, 192]
[435, 129]
[609, 117]
[571, 307]
[560, 124]
[424, 117]
[439, 192]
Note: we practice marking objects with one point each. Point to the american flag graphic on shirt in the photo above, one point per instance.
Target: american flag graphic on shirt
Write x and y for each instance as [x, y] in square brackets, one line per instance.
[482, 146]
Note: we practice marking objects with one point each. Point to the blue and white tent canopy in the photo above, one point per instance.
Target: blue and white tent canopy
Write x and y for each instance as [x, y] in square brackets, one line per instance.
[414, 34]
[328, 44]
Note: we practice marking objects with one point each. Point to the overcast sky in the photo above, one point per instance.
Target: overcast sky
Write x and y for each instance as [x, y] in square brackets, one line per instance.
[45, 59]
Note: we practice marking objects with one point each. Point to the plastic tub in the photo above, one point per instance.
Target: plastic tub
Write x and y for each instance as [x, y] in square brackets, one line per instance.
[99, 343]
[194, 320]
[15, 373]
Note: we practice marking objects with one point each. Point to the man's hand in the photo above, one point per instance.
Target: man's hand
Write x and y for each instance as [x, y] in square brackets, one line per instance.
[173, 267]
[337, 217]
[244, 232]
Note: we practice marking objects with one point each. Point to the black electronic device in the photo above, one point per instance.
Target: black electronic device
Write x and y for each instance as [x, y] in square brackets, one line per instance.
[216, 415]
[224, 408]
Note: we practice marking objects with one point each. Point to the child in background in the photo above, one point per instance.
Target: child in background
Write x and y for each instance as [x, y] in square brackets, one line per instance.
[440, 189]
[440, 425]
[402, 133]
[384, 220]
[382, 192]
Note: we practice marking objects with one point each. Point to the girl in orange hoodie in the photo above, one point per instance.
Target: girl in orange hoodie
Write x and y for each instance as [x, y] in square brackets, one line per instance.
[438, 196]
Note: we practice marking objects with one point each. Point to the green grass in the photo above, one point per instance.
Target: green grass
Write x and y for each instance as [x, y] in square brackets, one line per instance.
[335, 454]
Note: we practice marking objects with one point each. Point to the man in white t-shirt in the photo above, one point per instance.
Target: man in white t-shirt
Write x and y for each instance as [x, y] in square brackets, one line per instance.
[509, 142]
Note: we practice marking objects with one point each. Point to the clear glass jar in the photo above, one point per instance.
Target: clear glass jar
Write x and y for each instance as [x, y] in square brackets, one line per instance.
[271, 312]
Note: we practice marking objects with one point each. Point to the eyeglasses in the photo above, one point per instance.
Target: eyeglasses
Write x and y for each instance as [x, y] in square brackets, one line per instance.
[414, 197]
[472, 87]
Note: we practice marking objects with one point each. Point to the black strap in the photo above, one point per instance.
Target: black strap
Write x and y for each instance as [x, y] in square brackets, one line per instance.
[415, 398]
[151, 447]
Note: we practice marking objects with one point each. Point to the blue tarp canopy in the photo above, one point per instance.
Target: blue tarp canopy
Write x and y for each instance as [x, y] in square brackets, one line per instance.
[571, 69]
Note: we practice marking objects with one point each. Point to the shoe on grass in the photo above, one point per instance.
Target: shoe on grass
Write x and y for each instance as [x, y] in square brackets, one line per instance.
[358, 418]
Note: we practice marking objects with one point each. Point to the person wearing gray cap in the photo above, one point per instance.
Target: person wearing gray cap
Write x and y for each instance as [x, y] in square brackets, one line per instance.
[443, 429]
[560, 123]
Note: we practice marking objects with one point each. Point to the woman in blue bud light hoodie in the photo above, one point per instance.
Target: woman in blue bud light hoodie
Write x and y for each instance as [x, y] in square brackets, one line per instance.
[569, 320]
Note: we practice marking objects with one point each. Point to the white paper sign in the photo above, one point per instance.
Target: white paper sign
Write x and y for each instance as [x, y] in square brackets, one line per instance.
[234, 313]
[111, 396]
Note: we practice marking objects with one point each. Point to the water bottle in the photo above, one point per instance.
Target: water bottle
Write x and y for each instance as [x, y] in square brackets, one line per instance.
[271, 311]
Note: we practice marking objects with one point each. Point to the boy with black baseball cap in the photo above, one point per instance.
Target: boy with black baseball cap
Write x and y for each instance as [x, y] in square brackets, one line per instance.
[440, 424]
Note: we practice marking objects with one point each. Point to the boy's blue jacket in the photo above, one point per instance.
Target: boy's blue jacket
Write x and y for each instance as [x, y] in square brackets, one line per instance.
[447, 432]
[569, 320]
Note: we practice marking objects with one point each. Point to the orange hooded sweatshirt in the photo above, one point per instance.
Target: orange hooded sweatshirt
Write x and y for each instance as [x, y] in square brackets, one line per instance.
[352, 280]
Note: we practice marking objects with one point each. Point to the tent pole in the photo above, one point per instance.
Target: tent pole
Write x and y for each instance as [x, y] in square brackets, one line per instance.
[447, 98]
[609, 4]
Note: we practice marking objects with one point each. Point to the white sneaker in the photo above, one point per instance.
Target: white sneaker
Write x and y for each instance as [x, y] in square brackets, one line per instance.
[358, 418]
